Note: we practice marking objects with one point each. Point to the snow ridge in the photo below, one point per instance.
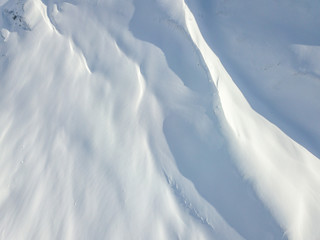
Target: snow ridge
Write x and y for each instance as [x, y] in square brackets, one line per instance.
[272, 161]
[110, 129]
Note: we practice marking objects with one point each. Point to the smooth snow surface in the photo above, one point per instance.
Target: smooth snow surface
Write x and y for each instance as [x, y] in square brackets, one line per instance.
[118, 121]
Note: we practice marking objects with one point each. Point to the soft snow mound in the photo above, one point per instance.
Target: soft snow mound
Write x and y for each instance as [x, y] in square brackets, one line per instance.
[117, 121]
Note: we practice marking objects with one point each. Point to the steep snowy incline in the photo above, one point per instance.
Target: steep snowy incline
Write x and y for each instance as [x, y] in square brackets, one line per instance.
[196, 140]
[280, 169]
[82, 149]
[271, 51]
[117, 121]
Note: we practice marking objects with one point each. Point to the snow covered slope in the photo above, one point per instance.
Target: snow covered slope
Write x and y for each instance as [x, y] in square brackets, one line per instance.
[118, 121]
[271, 51]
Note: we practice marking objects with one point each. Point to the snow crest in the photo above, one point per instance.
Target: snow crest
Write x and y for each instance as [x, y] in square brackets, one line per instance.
[117, 121]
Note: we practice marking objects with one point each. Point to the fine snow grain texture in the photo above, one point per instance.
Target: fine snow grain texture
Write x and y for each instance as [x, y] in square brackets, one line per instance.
[118, 121]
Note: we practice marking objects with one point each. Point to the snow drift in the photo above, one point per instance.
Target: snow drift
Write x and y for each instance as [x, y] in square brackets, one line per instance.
[118, 121]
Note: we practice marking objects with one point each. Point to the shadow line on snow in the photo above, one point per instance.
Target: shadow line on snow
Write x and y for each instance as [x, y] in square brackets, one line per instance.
[205, 161]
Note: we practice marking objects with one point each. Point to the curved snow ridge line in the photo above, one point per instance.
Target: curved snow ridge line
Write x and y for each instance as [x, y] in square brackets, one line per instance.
[141, 84]
[79, 53]
[46, 12]
[280, 169]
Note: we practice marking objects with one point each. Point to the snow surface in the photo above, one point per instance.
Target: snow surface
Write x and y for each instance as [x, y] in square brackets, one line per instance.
[118, 121]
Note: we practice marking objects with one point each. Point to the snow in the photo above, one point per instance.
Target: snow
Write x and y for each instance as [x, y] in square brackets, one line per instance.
[268, 154]
[119, 121]
[255, 42]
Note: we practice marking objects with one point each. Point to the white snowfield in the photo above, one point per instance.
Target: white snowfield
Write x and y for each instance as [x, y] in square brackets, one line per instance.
[118, 121]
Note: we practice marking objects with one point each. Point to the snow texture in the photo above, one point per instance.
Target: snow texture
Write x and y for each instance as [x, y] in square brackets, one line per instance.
[119, 121]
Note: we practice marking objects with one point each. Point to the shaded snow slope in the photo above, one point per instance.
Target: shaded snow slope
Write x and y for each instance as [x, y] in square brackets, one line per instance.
[271, 51]
[196, 140]
[83, 155]
[279, 168]
[118, 121]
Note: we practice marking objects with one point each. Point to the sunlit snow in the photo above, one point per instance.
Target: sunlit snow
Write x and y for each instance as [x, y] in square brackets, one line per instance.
[160, 119]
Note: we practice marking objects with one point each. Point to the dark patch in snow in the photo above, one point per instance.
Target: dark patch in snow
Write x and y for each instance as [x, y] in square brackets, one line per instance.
[13, 17]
